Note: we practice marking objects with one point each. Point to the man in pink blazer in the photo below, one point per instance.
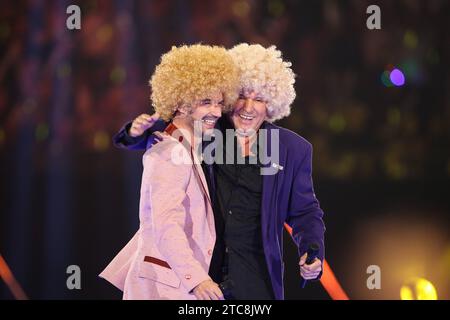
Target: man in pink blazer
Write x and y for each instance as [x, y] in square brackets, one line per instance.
[169, 256]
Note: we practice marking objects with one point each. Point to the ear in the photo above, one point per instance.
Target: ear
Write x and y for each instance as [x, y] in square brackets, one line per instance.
[183, 109]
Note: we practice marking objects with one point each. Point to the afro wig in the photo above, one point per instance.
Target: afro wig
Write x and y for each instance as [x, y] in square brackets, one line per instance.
[187, 74]
[264, 71]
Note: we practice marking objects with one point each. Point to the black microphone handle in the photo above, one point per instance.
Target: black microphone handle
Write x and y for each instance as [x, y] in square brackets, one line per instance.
[313, 251]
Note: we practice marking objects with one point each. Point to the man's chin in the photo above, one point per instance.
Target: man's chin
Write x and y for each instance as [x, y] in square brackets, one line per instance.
[240, 126]
[244, 132]
[207, 132]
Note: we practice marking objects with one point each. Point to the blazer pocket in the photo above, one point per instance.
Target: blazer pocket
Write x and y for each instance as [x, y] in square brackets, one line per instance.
[158, 270]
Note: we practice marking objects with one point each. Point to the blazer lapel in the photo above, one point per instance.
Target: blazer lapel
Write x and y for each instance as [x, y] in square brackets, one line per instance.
[269, 201]
[200, 177]
[201, 180]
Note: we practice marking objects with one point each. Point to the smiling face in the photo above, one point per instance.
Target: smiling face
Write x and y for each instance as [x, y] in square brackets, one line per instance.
[208, 110]
[249, 112]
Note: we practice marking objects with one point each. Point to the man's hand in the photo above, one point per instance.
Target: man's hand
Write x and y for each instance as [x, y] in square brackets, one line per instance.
[142, 123]
[310, 271]
[208, 290]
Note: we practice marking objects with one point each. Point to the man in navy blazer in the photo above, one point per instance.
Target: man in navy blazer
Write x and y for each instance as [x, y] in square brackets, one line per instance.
[284, 194]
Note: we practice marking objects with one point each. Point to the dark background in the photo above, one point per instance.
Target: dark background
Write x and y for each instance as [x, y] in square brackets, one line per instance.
[381, 152]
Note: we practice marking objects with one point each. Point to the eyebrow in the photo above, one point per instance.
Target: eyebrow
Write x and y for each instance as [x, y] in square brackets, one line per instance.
[255, 98]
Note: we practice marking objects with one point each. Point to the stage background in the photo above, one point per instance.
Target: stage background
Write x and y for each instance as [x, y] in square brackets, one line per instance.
[381, 151]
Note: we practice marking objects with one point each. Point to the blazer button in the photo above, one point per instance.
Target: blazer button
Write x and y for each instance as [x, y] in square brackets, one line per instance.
[210, 252]
[188, 276]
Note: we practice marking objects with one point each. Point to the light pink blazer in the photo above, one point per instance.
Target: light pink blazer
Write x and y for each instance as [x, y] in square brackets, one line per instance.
[171, 252]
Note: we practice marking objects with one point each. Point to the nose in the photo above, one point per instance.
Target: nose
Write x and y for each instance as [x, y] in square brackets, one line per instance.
[248, 105]
[216, 110]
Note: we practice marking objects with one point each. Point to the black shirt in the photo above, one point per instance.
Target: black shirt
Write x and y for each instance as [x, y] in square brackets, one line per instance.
[239, 253]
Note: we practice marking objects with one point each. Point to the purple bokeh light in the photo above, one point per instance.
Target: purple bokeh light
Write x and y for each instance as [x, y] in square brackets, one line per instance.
[397, 78]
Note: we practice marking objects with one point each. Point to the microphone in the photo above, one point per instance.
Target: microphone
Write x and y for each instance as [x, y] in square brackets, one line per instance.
[313, 251]
[226, 287]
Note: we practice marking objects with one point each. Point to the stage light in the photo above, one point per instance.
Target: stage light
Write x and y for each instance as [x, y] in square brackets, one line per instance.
[240, 8]
[413, 244]
[418, 289]
[101, 141]
[41, 132]
[337, 123]
[104, 33]
[385, 79]
[397, 78]
[392, 76]
[410, 40]
[118, 75]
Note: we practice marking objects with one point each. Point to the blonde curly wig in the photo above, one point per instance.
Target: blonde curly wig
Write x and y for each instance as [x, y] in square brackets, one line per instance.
[264, 71]
[189, 73]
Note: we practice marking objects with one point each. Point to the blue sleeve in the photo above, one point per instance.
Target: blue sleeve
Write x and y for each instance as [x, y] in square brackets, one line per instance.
[305, 215]
[123, 140]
